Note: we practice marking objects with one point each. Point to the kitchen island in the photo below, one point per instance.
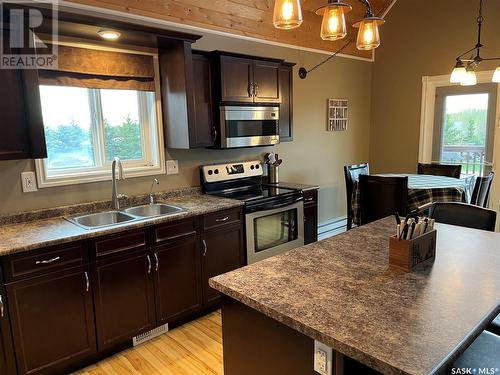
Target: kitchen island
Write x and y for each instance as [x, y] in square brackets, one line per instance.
[342, 292]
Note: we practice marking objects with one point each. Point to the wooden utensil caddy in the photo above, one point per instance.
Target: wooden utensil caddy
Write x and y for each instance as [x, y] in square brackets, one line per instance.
[407, 254]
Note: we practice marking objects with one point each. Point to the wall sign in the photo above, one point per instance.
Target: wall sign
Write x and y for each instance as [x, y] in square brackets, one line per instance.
[337, 115]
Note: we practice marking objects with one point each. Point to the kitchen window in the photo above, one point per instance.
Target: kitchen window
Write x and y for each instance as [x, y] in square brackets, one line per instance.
[89, 119]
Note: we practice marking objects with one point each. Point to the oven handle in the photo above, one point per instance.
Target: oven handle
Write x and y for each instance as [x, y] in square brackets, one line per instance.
[271, 206]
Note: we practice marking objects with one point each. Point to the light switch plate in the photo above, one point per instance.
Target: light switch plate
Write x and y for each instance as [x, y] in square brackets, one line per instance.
[28, 181]
[323, 358]
[172, 166]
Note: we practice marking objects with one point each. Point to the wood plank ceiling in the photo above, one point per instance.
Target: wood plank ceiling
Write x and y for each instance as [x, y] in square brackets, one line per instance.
[252, 18]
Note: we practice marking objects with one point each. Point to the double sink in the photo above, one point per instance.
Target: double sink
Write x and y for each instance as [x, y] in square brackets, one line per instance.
[110, 218]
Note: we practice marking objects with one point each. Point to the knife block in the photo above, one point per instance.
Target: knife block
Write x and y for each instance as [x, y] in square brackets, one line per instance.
[408, 254]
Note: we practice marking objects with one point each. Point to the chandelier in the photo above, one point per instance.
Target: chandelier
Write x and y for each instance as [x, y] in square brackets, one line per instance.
[465, 68]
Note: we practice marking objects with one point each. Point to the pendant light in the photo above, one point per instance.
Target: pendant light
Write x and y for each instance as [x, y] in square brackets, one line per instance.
[333, 26]
[368, 35]
[464, 71]
[287, 14]
[459, 73]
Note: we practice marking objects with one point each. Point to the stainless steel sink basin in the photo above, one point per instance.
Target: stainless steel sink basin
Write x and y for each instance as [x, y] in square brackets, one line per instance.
[101, 219]
[152, 210]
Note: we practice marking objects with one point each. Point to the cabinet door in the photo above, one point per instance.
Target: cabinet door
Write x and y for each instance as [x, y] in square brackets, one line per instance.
[222, 251]
[236, 79]
[202, 128]
[52, 321]
[177, 279]
[266, 78]
[124, 298]
[286, 106]
[310, 224]
[7, 359]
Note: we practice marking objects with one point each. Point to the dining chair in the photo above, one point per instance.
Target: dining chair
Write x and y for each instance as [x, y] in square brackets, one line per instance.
[482, 353]
[351, 174]
[463, 215]
[481, 192]
[382, 196]
[440, 169]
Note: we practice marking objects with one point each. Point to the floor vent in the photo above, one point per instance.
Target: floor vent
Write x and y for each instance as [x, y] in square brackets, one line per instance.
[146, 336]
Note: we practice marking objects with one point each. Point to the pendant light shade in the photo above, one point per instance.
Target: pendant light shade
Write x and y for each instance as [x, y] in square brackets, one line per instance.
[287, 14]
[459, 73]
[470, 78]
[368, 35]
[496, 75]
[333, 26]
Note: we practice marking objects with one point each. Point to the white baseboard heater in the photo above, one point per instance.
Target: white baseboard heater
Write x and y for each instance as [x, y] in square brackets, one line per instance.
[149, 335]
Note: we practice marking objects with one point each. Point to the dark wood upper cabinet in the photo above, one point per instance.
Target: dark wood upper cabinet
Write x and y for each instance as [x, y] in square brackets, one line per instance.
[186, 89]
[248, 79]
[21, 126]
[7, 359]
[177, 279]
[286, 106]
[223, 251]
[52, 321]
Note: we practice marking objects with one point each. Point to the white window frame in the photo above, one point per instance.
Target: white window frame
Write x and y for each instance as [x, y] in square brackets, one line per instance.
[151, 139]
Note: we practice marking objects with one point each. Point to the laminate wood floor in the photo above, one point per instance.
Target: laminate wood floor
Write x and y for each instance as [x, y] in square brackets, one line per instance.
[194, 348]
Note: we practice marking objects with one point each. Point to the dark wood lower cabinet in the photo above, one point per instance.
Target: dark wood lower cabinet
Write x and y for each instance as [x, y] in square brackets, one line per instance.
[310, 216]
[177, 279]
[124, 298]
[7, 359]
[52, 321]
[222, 252]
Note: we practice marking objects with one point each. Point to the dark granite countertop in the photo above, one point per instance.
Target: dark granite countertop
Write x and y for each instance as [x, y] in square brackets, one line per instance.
[36, 234]
[341, 291]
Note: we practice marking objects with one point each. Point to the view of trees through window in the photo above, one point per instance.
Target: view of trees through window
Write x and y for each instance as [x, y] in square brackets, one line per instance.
[70, 138]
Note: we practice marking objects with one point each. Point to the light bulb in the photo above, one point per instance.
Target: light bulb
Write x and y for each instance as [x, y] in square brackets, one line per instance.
[333, 26]
[287, 14]
[496, 75]
[469, 78]
[368, 34]
[109, 34]
[458, 74]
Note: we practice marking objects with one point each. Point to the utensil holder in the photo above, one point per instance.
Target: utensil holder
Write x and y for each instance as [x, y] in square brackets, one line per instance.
[408, 254]
[273, 174]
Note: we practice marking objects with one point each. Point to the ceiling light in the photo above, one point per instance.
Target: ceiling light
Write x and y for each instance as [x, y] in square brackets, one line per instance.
[287, 14]
[109, 34]
[333, 26]
[496, 75]
[469, 78]
[368, 35]
[458, 74]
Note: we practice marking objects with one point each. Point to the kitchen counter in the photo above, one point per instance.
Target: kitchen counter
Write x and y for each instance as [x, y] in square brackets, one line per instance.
[342, 292]
[36, 234]
[291, 185]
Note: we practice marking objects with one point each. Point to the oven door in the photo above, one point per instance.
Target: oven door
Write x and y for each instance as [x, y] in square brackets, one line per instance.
[249, 126]
[273, 231]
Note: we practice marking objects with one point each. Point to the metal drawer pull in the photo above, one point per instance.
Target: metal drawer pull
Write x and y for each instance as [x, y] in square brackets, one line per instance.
[38, 262]
[149, 264]
[309, 199]
[157, 265]
[222, 219]
[1, 308]
[204, 248]
[87, 282]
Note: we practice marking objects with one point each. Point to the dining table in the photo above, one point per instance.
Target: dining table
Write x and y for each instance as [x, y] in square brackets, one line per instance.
[423, 189]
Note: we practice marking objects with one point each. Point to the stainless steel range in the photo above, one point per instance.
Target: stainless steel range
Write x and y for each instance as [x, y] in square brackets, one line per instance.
[274, 217]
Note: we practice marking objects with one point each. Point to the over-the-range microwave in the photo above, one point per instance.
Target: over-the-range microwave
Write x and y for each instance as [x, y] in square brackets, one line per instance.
[247, 126]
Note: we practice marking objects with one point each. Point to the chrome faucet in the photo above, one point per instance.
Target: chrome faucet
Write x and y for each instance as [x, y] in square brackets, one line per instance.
[115, 203]
[151, 196]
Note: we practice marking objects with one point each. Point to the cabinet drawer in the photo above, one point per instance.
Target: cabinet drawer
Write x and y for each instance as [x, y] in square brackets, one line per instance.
[221, 218]
[36, 262]
[118, 243]
[310, 197]
[176, 230]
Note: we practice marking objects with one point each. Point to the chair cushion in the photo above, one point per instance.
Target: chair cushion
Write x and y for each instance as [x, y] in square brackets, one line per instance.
[495, 326]
[483, 353]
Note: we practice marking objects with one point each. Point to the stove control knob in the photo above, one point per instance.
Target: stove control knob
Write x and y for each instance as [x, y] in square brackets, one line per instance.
[257, 166]
[210, 172]
[216, 171]
[252, 167]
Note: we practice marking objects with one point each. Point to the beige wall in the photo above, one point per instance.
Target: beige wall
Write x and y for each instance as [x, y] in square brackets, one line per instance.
[420, 38]
[315, 156]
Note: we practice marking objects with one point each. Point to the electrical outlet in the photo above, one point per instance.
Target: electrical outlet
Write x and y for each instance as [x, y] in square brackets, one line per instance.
[172, 167]
[28, 181]
[323, 362]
